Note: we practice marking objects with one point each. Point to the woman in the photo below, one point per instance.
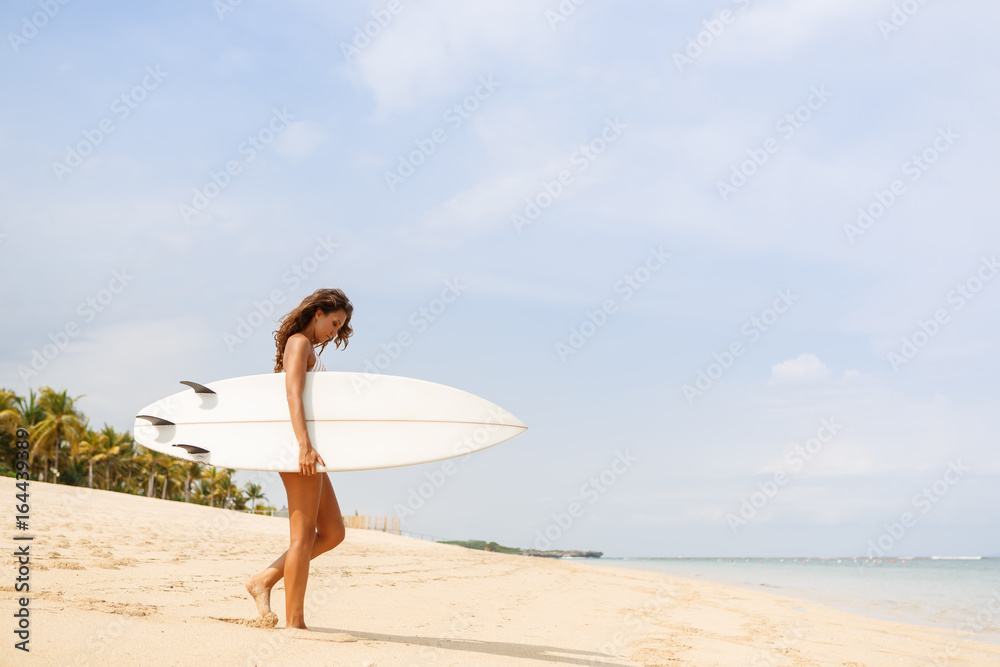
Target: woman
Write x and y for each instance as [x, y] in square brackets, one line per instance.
[314, 518]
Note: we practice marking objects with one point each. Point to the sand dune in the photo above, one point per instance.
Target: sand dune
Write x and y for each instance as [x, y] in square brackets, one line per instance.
[125, 580]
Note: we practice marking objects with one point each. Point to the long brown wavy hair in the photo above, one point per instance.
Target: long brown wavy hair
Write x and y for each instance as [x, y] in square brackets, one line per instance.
[322, 300]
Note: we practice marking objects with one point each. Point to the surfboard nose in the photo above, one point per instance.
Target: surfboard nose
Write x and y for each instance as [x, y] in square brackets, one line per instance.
[501, 417]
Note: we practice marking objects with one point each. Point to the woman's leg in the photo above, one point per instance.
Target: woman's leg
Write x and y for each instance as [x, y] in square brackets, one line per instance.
[303, 493]
[329, 521]
[330, 533]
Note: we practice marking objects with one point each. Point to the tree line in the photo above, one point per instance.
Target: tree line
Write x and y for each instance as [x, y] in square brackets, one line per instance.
[66, 450]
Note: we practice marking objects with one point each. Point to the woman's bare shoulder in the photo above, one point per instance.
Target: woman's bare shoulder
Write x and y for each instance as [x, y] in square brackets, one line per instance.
[298, 349]
[298, 339]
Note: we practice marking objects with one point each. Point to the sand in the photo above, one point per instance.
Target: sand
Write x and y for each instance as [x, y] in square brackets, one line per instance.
[126, 580]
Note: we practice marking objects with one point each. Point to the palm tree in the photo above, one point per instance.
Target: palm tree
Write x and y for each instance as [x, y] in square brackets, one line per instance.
[235, 499]
[265, 509]
[216, 479]
[239, 500]
[9, 421]
[132, 466]
[91, 445]
[8, 410]
[29, 415]
[203, 490]
[28, 410]
[147, 459]
[254, 493]
[112, 450]
[174, 470]
[229, 486]
[193, 472]
[61, 420]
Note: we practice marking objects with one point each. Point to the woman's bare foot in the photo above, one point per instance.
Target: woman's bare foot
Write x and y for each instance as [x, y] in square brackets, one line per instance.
[269, 621]
[261, 594]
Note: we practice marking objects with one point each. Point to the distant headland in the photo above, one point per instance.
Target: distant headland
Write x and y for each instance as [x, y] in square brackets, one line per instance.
[482, 545]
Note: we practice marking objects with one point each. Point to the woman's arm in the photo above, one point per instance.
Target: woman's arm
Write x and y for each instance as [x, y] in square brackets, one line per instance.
[295, 360]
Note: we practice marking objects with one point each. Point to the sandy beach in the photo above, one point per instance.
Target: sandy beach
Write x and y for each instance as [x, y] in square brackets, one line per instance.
[126, 580]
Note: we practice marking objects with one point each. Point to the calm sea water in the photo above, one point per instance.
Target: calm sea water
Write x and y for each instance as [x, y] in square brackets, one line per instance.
[961, 595]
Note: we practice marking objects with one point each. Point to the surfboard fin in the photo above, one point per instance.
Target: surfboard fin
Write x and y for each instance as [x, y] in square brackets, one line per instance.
[191, 449]
[198, 388]
[156, 421]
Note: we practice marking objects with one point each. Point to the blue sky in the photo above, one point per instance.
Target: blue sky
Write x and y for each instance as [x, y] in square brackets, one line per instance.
[738, 138]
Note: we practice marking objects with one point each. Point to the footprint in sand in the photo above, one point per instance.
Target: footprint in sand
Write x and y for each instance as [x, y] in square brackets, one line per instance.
[68, 565]
[298, 633]
[268, 621]
[111, 607]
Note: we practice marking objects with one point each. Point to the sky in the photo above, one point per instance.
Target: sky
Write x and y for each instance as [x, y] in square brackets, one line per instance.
[732, 262]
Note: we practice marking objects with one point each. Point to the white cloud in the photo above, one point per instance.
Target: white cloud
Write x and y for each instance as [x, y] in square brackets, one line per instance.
[518, 169]
[475, 210]
[804, 368]
[780, 29]
[436, 47]
[300, 139]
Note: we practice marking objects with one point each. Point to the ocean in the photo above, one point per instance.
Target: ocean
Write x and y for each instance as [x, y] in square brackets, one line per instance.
[957, 594]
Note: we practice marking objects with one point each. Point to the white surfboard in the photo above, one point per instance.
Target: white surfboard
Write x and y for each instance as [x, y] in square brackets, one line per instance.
[356, 421]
